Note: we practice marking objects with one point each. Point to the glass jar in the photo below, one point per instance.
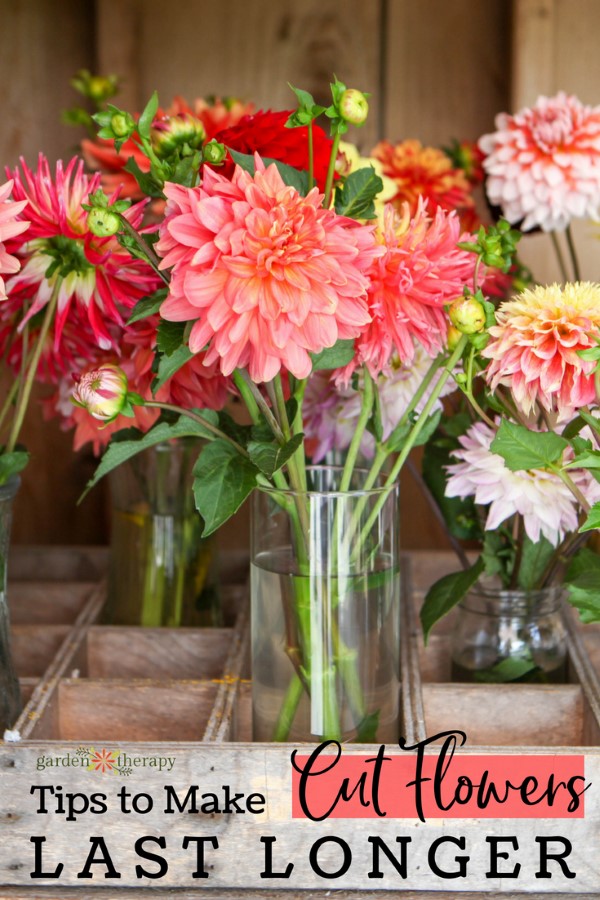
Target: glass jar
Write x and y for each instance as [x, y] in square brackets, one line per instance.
[505, 635]
[325, 590]
[10, 694]
[162, 571]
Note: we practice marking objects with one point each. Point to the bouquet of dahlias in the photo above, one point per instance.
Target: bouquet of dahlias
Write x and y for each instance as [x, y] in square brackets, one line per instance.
[278, 278]
[515, 466]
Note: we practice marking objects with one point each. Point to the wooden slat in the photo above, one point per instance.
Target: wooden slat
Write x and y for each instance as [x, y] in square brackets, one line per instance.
[249, 56]
[157, 653]
[512, 715]
[446, 68]
[133, 710]
[52, 563]
[35, 646]
[39, 603]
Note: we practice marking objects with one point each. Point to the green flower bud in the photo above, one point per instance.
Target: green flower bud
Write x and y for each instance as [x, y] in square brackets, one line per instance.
[467, 315]
[103, 223]
[173, 132]
[453, 337]
[122, 125]
[353, 107]
[99, 88]
[213, 152]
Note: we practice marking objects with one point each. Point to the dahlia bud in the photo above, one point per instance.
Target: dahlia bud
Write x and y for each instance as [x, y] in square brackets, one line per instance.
[467, 315]
[176, 131]
[122, 125]
[102, 392]
[353, 106]
[214, 153]
[453, 337]
[100, 87]
[102, 222]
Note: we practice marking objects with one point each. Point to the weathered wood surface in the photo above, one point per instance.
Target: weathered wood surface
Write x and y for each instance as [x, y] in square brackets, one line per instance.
[239, 858]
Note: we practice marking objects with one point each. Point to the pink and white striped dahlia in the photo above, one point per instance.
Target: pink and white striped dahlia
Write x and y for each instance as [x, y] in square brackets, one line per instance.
[421, 270]
[535, 344]
[543, 164]
[268, 275]
[97, 275]
[546, 504]
[10, 228]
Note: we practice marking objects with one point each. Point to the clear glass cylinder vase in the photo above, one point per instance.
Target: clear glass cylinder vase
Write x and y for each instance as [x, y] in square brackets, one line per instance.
[162, 571]
[10, 694]
[505, 635]
[325, 590]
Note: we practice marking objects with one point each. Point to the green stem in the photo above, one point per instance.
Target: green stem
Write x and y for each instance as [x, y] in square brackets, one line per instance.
[559, 256]
[145, 248]
[263, 406]
[170, 407]
[247, 396]
[25, 394]
[568, 481]
[573, 254]
[331, 171]
[311, 162]
[363, 419]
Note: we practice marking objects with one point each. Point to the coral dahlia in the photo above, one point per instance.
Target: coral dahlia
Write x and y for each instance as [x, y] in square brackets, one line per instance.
[421, 270]
[543, 164]
[423, 173]
[535, 344]
[269, 275]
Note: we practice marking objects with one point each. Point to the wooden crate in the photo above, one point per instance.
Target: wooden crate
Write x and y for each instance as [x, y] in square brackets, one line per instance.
[89, 684]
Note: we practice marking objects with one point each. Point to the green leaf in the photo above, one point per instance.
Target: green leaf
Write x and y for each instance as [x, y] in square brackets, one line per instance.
[292, 177]
[270, 457]
[223, 479]
[147, 117]
[593, 518]
[497, 556]
[129, 442]
[356, 198]
[535, 558]
[589, 460]
[168, 365]
[12, 463]
[584, 595]
[148, 184]
[585, 560]
[334, 357]
[401, 433]
[147, 306]
[170, 336]
[237, 432]
[524, 449]
[446, 593]
[513, 668]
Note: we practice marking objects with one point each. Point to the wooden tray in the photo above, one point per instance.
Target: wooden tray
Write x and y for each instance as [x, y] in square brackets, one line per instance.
[87, 683]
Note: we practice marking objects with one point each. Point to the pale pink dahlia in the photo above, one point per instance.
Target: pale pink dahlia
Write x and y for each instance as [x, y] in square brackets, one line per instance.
[10, 227]
[420, 272]
[535, 344]
[268, 275]
[546, 504]
[98, 276]
[543, 164]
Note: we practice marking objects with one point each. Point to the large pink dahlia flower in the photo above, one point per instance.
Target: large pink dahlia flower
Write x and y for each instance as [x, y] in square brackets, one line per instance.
[98, 275]
[535, 344]
[269, 275]
[543, 164]
[421, 271]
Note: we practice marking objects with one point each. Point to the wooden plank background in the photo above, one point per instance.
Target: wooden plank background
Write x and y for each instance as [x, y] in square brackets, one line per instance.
[437, 69]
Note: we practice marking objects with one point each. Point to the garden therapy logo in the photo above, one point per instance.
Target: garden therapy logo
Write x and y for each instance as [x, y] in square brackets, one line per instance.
[105, 762]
